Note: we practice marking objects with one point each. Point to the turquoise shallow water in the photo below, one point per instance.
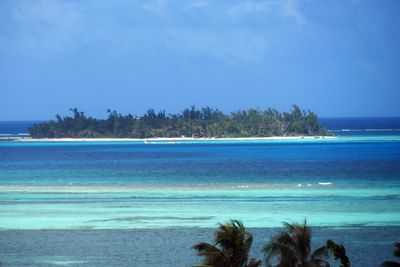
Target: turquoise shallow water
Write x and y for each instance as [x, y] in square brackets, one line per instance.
[346, 181]
[200, 208]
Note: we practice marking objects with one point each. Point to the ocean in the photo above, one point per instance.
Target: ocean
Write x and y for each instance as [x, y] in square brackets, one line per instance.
[121, 203]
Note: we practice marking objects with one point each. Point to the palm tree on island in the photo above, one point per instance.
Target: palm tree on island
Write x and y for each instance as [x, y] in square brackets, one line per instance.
[231, 247]
[292, 248]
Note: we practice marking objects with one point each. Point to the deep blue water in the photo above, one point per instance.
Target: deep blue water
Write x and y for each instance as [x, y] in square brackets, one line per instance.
[15, 127]
[356, 162]
[372, 123]
[363, 126]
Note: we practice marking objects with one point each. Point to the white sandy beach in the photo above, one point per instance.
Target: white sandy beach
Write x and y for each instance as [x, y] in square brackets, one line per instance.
[160, 139]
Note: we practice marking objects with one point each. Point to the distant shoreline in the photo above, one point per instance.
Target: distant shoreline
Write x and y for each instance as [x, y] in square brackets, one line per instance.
[160, 139]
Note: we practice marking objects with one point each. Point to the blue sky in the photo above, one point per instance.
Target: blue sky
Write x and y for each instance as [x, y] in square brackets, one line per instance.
[337, 58]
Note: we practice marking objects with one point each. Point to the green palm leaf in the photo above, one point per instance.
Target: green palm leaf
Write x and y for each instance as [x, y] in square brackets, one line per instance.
[292, 248]
[231, 247]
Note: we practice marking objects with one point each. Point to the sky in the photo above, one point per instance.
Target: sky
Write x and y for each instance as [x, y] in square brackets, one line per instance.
[337, 58]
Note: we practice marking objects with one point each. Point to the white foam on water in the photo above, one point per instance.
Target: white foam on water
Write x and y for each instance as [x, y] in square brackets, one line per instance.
[326, 183]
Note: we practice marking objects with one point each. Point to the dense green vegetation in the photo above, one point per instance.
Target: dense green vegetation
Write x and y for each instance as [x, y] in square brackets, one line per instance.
[191, 122]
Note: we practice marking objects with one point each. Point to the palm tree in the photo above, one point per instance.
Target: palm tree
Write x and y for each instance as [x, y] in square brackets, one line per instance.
[396, 253]
[292, 248]
[230, 249]
[339, 252]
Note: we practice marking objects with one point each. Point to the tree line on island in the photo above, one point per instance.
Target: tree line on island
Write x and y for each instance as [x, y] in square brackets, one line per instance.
[191, 122]
[289, 248]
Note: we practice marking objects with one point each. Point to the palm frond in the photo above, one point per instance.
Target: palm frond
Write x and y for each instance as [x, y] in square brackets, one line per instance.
[292, 247]
[211, 255]
[230, 234]
[301, 236]
[320, 253]
[286, 239]
[318, 263]
[231, 247]
[248, 242]
[283, 253]
[254, 263]
[339, 252]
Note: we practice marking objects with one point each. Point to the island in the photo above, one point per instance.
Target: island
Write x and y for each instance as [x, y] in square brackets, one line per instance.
[206, 122]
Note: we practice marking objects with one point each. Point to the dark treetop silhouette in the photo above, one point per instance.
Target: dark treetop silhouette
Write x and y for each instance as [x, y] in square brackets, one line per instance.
[192, 122]
[292, 248]
[339, 252]
[289, 248]
[231, 247]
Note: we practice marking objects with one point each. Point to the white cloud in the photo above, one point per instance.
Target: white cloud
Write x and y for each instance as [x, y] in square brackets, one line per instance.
[155, 6]
[46, 12]
[45, 27]
[291, 10]
[193, 27]
[196, 3]
[228, 45]
[246, 7]
[280, 8]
